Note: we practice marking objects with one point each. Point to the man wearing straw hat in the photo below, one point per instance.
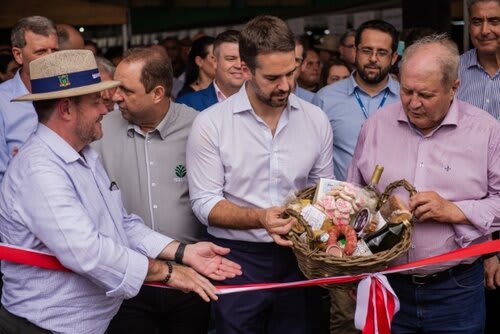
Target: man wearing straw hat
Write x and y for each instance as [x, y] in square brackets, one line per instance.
[58, 199]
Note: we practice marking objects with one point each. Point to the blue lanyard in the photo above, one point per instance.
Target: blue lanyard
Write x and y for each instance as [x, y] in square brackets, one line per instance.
[362, 106]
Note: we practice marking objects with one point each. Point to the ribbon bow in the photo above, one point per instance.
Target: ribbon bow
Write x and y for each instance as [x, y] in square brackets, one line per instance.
[376, 304]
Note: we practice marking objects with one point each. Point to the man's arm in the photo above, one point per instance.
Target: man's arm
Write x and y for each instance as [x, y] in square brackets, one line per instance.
[483, 213]
[52, 211]
[228, 215]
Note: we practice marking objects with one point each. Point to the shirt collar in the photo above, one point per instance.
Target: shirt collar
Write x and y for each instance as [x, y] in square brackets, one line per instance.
[392, 85]
[20, 88]
[162, 127]
[472, 60]
[218, 93]
[451, 118]
[63, 149]
[243, 103]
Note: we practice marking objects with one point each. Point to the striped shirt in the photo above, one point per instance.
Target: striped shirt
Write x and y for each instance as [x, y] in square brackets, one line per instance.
[477, 87]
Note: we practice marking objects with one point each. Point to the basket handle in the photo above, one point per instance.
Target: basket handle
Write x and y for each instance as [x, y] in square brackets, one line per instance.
[292, 213]
[390, 188]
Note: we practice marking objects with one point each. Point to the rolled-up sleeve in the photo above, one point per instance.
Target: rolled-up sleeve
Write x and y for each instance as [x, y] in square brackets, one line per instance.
[47, 195]
[483, 214]
[205, 168]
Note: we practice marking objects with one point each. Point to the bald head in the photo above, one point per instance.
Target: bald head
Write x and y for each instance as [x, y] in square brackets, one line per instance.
[69, 38]
[433, 53]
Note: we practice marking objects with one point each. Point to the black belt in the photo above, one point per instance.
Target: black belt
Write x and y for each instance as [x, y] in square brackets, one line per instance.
[437, 277]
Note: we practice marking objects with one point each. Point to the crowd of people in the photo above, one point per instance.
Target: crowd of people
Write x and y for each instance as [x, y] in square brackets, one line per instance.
[171, 163]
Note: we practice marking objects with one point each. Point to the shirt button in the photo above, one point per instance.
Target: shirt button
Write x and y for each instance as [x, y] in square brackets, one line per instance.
[421, 164]
[153, 184]
[412, 246]
[151, 163]
[155, 206]
[487, 100]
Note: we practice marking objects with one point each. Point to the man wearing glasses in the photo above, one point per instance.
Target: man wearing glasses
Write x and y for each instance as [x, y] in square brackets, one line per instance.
[348, 103]
[347, 48]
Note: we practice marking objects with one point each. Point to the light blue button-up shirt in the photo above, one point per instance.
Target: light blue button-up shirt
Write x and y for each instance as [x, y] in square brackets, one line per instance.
[346, 117]
[55, 200]
[304, 93]
[18, 120]
[232, 154]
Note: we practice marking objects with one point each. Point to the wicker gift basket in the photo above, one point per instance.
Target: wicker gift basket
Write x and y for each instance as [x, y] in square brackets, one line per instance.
[315, 263]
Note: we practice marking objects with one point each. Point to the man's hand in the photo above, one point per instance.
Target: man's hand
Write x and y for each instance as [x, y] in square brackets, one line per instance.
[208, 259]
[429, 205]
[492, 273]
[182, 278]
[276, 226]
[187, 280]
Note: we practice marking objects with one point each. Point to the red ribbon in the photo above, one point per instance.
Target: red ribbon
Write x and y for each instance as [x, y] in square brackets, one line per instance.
[382, 304]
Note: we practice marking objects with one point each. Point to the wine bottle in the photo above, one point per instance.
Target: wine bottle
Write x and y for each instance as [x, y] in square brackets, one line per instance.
[371, 192]
[385, 238]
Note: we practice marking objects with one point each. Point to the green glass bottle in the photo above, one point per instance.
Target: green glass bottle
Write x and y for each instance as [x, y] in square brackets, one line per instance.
[385, 238]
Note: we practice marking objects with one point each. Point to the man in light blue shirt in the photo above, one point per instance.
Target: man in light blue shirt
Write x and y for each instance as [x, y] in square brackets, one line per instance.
[348, 103]
[245, 155]
[299, 58]
[32, 37]
[57, 198]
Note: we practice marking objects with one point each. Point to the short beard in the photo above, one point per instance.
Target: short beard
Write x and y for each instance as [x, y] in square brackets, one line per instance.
[376, 79]
[269, 100]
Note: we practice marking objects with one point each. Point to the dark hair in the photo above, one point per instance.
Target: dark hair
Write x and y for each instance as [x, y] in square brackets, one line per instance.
[94, 44]
[198, 49]
[325, 70]
[5, 60]
[382, 26]
[228, 36]
[157, 69]
[37, 24]
[301, 40]
[417, 33]
[264, 34]
[348, 33]
[45, 108]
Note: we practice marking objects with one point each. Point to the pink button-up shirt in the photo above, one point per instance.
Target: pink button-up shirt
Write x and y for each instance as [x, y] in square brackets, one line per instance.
[460, 160]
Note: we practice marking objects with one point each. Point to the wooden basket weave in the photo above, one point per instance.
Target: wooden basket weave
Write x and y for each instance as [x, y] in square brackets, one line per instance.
[318, 264]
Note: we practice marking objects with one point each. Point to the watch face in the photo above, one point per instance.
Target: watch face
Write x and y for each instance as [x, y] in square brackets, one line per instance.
[360, 221]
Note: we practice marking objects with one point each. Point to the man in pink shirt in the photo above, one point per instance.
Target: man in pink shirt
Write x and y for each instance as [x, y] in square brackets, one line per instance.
[450, 151]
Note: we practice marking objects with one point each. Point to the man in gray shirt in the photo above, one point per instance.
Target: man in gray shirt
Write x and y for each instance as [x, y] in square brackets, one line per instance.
[143, 149]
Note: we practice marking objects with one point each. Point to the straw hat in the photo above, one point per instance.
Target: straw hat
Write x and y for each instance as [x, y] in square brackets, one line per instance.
[329, 43]
[64, 74]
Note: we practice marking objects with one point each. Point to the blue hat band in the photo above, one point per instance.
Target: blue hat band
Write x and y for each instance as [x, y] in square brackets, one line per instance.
[65, 81]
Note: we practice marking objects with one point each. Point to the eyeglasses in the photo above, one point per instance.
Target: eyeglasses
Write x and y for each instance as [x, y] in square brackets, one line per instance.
[380, 53]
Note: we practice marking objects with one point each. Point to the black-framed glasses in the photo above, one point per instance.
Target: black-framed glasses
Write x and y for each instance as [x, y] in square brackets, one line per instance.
[379, 53]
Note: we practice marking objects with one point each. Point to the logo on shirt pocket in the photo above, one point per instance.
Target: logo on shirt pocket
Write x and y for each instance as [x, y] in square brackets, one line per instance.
[180, 173]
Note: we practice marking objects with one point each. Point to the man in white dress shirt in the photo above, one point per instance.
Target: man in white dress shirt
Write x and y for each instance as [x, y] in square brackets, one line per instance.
[244, 156]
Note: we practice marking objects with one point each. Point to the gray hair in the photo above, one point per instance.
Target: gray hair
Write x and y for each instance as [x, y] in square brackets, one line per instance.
[105, 65]
[37, 24]
[471, 3]
[448, 60]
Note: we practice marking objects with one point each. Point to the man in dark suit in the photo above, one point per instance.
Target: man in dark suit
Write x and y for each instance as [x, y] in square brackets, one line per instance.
[229, 76]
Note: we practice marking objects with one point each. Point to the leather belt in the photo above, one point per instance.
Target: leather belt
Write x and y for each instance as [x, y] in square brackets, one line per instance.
[439, 276]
